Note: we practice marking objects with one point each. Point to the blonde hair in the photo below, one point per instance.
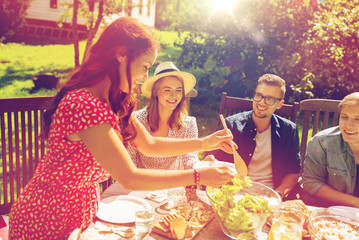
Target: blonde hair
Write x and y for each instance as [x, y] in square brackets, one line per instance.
[273, 80]
[178, 116]
[349, 100]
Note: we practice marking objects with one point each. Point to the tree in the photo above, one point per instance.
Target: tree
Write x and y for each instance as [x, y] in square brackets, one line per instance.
[12, 13]
[257, 38]
[74, 31]
[94, 11]
[330, 50]
[312, 46]
[179, 14]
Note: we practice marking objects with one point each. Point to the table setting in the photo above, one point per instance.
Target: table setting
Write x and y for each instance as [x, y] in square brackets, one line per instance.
[251, 211]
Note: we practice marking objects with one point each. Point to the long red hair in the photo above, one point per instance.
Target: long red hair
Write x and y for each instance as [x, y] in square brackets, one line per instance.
[100, 61]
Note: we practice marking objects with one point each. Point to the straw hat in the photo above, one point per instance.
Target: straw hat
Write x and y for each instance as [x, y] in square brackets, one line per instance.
[165, 69]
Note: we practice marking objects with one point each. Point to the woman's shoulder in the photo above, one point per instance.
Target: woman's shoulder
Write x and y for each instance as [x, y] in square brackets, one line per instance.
[190, 120]
[141, 114]
[190, 123]
[80, 96]
[189, 129]
[82, 100]
[141, 111]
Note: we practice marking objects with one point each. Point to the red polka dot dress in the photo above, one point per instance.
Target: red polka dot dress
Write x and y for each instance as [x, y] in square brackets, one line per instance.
[63, 194]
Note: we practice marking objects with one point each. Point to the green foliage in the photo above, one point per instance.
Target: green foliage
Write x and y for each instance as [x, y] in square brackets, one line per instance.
[180, 14]
[109, 8]
[314, 48]
[168, 38]
[96, 15]
[19, 63]
[12, 13]
[259, 37]
[206, 117]
[168, 51]
[330, 50]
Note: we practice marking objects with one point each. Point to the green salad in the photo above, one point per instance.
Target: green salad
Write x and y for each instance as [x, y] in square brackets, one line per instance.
[238, 213]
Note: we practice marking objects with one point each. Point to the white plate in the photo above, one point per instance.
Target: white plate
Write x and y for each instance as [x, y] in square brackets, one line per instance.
[202, 164]
[350, 210]
[346, 208]
[120, 209]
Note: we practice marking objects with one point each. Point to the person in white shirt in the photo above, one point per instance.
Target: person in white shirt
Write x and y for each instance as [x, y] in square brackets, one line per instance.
[268, 143]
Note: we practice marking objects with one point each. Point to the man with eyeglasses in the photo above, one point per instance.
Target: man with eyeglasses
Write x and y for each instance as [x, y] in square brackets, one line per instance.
[268, 143]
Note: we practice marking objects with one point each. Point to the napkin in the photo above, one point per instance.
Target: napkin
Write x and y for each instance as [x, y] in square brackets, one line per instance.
[157, 196]
[102, 228]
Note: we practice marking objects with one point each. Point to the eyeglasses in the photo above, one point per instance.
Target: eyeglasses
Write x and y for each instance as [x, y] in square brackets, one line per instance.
[270, 101]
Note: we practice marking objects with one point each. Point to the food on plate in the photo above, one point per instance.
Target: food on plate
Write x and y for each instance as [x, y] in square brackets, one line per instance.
[178, 227]
[125, 232]
[157, 196]
[185, 221]
[333, 229]
[166, 219]
[109, 228]
[161, 227]
[195, 213]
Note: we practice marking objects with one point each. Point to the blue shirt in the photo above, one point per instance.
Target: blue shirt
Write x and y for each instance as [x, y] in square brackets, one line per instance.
[285, 143]
[329, 160]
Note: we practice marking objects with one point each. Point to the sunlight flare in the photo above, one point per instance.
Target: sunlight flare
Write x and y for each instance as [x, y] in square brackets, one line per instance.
[222, 5]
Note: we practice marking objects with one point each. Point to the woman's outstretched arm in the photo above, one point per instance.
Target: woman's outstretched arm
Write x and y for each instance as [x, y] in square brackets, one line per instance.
[107, 148]
[159, 146]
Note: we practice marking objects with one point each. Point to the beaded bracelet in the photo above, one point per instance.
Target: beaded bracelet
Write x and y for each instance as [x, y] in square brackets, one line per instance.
[196, 177]
[196, 184]
[190, 189]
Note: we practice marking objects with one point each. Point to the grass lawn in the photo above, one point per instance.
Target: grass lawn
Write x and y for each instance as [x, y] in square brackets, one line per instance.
[19, 62]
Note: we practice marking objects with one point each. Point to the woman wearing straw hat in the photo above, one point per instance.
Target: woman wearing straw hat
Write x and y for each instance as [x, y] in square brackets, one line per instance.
[167, 116]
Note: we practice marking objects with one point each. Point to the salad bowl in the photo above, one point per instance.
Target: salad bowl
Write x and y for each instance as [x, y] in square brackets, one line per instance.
[242, 208]
[333, 223]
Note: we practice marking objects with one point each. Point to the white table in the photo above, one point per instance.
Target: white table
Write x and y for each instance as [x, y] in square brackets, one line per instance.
[211, 231]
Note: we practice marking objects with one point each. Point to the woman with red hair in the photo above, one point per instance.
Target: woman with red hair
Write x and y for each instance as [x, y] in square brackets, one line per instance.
[88, 127]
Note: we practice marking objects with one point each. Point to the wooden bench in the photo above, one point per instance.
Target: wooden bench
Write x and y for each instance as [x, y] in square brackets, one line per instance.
[22, 146]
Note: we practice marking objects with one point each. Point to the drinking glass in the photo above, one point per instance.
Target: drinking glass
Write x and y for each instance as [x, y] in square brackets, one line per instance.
[144, 219]
[175, 195]
[287, 224]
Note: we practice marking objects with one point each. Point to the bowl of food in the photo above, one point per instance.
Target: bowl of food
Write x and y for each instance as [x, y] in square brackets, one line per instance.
[333, 223]
[242, 207]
